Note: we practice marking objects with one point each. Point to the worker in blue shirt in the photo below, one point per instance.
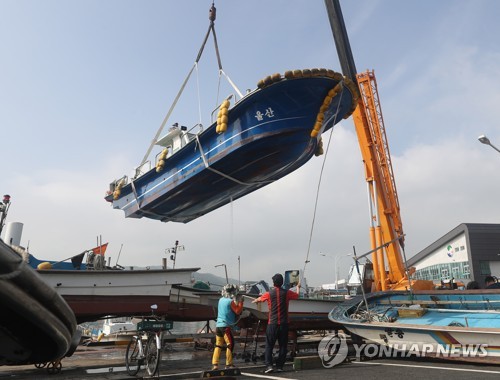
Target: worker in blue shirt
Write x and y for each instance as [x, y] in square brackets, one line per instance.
[230, 306]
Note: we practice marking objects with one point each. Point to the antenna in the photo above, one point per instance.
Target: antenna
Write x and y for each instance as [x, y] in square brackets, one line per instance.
[119, 253]
[173, 251]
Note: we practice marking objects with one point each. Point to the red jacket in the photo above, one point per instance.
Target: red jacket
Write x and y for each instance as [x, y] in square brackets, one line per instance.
[277, 301]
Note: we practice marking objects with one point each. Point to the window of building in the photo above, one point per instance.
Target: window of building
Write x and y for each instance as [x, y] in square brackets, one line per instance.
[445, 274]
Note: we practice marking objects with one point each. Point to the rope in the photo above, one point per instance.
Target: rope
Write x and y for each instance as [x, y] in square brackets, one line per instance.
[198, 88]
[319, 185]
[155, 139]
[211, 28]
[232, 84]
[205, 162]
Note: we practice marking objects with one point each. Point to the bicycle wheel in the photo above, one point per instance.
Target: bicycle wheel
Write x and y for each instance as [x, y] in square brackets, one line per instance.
[152, 355]
[132, 360]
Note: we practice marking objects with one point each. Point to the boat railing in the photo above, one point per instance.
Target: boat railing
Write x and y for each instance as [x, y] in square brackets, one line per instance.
[197, 125]
[118, 183]
[142, 169]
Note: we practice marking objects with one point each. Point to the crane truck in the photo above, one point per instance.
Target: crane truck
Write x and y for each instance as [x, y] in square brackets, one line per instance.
[387, 270]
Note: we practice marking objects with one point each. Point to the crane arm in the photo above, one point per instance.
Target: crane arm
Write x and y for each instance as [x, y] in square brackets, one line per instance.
[386, 227]
[386, 224]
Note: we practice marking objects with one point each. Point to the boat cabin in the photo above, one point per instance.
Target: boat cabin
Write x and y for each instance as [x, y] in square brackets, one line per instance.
[176, 138]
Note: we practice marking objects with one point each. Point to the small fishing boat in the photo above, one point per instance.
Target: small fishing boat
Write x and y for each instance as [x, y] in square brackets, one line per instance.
[449, 324]
[95, 290]
[304, 313]
[265, 135]
[95, 294]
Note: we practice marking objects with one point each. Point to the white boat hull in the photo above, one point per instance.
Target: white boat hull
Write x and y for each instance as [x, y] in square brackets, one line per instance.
[95, 294]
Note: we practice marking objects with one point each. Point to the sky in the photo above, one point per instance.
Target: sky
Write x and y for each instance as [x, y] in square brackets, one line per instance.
[84, 86]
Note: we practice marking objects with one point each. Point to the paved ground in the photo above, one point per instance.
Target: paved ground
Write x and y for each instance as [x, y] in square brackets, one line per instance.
[183, 362]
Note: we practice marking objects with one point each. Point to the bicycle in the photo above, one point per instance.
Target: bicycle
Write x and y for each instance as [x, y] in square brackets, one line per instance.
[150, 330]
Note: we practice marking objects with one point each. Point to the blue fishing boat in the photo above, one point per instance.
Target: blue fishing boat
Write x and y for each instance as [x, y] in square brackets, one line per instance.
[449, 324]
[265, 135]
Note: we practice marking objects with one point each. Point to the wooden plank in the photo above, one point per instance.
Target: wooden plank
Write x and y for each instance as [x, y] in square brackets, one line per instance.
[221, 374]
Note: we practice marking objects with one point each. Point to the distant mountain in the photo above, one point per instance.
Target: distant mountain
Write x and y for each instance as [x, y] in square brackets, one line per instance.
[215, 282]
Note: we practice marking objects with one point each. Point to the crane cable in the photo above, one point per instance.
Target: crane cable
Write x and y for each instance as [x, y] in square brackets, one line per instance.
[211, 29]
[306, 261]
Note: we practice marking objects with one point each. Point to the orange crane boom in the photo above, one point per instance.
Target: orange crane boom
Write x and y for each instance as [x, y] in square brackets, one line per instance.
[386, 227]
[385, 223]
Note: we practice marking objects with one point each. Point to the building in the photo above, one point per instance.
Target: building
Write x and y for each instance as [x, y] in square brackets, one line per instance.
[471, 251]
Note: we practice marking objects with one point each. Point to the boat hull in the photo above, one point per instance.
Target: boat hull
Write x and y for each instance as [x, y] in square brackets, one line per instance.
[449, 325]
[186, 305]
[268, 136]
[303, 314]
[93, 295]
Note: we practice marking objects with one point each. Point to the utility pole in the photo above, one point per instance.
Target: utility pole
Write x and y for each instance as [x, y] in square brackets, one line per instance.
[173, 251]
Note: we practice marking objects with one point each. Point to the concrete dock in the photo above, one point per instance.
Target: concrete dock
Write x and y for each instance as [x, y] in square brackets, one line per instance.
[182, 361]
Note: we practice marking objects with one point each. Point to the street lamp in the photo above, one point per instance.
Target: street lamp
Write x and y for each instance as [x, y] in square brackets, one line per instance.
[336, 266]
[483, 139]
[225, 268]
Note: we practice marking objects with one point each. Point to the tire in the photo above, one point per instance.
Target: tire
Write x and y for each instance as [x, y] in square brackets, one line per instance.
[132, 360]
[152, 355]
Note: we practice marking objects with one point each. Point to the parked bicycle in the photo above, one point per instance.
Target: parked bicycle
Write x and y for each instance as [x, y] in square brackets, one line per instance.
[145, 347]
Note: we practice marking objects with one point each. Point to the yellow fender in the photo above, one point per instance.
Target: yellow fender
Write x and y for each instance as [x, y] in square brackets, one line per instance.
[222, 116]
[118, 190]
[327, 101]
[276, 77]
[44, 265]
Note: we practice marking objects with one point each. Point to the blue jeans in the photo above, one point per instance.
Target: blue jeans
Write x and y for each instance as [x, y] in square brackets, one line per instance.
[273, 333]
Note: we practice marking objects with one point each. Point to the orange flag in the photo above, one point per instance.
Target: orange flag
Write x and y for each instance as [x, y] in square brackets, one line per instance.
[100, 250]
